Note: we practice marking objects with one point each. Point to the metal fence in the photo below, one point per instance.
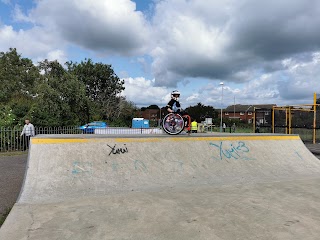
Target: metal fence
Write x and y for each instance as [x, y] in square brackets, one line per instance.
[11, 139]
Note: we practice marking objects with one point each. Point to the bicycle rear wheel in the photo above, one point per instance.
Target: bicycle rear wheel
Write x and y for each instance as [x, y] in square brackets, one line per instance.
[173, 123]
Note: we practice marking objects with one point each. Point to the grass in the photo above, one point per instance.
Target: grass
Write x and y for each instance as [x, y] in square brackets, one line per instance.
[238, 130]
[4, 215]
[13, 153]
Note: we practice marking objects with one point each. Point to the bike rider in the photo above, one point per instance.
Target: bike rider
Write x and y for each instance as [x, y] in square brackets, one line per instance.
[174, 105]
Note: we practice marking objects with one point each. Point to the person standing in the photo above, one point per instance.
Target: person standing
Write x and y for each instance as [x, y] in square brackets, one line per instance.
[27, 133]
[234, 127]
[194, 126]
[224, 126]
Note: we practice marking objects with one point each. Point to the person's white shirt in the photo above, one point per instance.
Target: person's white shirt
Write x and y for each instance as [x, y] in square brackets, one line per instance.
[28, 130]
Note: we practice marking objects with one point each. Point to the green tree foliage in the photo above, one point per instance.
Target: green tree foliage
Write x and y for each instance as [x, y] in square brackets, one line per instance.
[7, 117]
[20, 106]
[153, 107]
[126, 111]
[200, 112]
[61, 99]
[52, 95]
[103, 87]
[17, 80]
[17, 75]
[149, 107]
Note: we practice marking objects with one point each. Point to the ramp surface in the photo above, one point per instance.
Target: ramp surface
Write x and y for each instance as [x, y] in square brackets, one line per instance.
[186, 187]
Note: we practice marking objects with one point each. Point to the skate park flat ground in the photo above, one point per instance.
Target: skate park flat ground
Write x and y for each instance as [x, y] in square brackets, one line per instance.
[185, 187]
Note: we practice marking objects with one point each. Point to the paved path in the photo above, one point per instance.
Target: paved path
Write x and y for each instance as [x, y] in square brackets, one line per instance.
[12, 170]
[280, 202]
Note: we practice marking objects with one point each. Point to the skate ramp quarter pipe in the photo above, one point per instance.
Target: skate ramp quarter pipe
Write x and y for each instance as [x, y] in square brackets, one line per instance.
[184, 187]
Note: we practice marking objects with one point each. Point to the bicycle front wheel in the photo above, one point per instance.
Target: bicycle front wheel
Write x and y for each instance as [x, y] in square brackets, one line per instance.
[173, 123]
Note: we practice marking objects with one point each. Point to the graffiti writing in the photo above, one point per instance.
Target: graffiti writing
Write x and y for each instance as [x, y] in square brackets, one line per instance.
[232, 151]
[117, 150]
[139, 165]
[115, 166]
[82, 168]
[299, 156]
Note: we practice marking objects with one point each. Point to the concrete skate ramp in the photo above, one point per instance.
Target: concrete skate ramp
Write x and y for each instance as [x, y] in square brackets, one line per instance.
[162, 187]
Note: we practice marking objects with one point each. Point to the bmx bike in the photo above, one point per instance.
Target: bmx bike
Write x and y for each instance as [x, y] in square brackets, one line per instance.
[175, 123]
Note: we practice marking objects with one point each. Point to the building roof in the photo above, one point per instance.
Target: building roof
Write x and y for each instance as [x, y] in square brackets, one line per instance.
[247, 108]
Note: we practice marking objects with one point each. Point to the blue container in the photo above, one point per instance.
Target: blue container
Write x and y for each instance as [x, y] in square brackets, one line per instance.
[140, 123]
[145, 123]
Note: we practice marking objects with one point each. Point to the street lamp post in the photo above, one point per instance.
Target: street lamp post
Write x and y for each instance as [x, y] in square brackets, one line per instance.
[221, 83]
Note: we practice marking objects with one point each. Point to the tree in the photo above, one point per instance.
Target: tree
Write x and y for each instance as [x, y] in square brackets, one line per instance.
[7, 117]
[153, 107]
[103, 87]
[126, 111]
[17, 76]
[200, 112]
[61, 98]
[54, 96]
[17, 80]
[20, 106]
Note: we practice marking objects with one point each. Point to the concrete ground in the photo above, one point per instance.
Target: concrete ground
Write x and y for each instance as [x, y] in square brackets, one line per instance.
[12, 169]
[261, 211]
[190, 209]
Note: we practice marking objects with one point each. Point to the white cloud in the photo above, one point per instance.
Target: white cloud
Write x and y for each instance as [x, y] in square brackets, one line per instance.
[264, 51]
[188, 43]
[302, 80]
[58, 55]
[143, 92]
[19, 16]
[36, 43]
[248, 41]
[102, 25]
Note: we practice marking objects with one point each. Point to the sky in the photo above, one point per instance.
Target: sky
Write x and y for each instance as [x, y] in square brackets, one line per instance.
[264, 52]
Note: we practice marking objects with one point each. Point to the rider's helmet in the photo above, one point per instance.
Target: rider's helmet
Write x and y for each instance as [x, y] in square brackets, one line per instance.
[175, 94]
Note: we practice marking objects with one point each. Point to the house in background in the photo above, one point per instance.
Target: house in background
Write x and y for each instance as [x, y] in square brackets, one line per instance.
[150, 114]
[245, 113]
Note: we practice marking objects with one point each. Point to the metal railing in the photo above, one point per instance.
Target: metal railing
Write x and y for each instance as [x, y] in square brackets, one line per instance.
[11, 139]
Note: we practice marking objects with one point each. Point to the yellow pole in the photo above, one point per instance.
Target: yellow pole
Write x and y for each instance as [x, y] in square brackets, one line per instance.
[314, 117]
[290, 129]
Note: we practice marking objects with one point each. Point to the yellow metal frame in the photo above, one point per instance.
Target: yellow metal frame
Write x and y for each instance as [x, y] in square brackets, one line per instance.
[289, 109]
